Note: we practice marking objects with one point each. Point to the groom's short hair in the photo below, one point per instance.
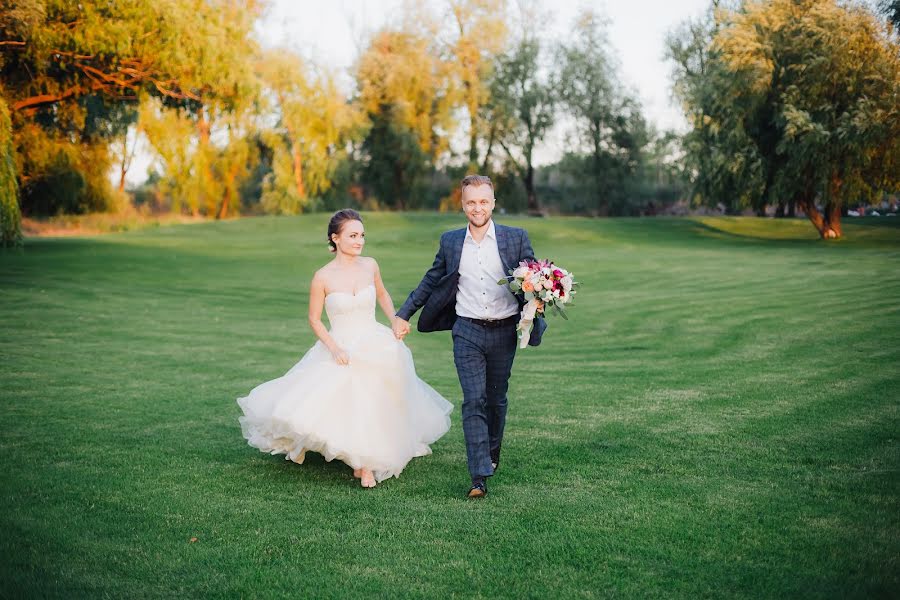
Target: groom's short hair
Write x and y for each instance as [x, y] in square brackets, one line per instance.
[476, 180]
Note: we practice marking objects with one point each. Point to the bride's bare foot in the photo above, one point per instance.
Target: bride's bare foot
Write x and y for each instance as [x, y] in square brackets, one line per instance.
[367, 478]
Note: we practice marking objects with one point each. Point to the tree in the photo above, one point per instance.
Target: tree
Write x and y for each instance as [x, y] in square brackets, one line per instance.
[73, 73]
[170, 132]
[316, 122]
[57, 51]
[52, 154]
[524, 104]
[480, 36]
[10, 216]
[891, 10]
[608, 121]
[721, 162]
[405, 91]
[816, 84]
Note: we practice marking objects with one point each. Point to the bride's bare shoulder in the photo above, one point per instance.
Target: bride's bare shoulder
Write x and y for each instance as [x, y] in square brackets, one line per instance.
[324, 274]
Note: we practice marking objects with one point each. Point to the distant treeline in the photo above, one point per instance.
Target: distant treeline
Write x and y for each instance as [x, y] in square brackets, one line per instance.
[790, 102]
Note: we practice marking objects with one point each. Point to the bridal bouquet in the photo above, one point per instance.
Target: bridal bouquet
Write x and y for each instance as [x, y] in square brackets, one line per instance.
[544, 285]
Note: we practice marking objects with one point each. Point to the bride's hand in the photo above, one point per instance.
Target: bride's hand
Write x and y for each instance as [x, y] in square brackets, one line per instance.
[400, 327]
[340, 357]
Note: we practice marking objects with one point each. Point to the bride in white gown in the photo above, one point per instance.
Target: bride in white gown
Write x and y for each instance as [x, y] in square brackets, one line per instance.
[355, 395]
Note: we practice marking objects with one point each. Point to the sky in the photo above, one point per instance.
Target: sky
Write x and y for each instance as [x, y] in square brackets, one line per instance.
[332, 33]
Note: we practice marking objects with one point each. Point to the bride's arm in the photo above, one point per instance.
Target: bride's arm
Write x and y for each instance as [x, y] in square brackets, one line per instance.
[384, 298]
[316, 304]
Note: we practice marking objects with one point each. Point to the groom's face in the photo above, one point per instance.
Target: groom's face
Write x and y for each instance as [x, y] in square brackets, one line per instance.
[478, 204]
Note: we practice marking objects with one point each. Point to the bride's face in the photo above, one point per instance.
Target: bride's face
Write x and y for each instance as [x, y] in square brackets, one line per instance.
[351, 239]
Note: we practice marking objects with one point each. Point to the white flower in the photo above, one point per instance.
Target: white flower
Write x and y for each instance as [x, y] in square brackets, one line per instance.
[521, 272]
[567, 282]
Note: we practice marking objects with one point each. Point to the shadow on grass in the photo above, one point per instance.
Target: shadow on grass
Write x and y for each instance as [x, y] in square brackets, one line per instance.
[793, 232]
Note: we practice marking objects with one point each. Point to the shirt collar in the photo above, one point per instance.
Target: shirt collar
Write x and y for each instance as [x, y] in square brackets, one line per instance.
[491, 232]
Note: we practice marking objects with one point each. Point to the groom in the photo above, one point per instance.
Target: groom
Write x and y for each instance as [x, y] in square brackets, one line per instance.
[460, 292]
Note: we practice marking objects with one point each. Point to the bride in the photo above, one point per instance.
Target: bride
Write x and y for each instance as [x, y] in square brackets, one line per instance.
[354, 395]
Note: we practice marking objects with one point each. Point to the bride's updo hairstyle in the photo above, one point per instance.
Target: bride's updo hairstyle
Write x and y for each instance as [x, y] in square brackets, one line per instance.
[337, 223]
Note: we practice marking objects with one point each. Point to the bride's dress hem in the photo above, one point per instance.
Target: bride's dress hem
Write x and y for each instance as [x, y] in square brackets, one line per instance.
[294, 448]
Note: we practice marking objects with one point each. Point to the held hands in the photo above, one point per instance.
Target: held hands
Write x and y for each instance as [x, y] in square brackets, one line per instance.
[340, 357]
[400, 327]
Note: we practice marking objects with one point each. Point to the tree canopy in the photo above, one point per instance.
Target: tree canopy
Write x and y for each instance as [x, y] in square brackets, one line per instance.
[792, 101]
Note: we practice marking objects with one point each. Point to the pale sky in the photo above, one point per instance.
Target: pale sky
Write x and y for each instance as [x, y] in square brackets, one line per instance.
[331, 33]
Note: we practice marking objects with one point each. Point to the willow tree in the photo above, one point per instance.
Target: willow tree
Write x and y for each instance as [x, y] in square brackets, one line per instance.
[524, 101]
[607, 121]
[721, 162]
[315, 124]
[60, 59]
[813, 89]
[480, 33]
[405, 91]
[10, 216]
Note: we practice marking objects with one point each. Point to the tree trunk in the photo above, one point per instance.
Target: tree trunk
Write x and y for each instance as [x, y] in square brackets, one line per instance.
[473, 145]
[298, 171]
[400, 179]
[599, 187]
[833, 214]
[779, 211]
[229, 191]
[792, 209]
[490, 147]
[833, 208]
[203, 129]
[123, 168]
[534, 208]
[825, 227]
[127, 159]
[223, 210]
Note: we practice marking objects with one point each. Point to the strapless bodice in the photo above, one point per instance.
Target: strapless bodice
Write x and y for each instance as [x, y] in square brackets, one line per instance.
[345, 309]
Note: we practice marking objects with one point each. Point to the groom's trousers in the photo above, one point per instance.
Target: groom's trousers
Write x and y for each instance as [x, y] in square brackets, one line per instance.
[484, 356]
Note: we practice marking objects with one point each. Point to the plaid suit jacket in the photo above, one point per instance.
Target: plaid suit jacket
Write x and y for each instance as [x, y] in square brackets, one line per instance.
[436, 293]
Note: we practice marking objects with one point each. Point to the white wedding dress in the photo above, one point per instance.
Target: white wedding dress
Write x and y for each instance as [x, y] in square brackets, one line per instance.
[374, 413]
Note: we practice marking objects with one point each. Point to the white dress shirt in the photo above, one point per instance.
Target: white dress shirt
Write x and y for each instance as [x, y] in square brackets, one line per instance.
[478, 295]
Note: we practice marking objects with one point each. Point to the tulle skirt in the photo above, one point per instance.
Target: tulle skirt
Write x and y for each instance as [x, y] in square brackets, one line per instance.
[374, 413]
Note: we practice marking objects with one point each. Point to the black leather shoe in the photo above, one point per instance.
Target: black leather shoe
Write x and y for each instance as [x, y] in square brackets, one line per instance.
[479, 489]
[495, 458]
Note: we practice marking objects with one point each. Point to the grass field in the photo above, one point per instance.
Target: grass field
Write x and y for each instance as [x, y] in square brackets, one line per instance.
[720, 418]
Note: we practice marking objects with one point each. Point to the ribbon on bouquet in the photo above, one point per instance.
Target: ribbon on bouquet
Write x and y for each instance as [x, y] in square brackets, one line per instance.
[526, 322]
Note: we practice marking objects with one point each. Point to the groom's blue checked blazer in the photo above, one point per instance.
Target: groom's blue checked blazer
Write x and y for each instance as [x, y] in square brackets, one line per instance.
[436, 294]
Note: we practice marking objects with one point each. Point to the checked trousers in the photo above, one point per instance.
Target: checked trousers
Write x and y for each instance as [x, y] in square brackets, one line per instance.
[484, 358]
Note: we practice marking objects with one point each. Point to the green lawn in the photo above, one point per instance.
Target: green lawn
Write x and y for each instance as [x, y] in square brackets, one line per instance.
[720, 417]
